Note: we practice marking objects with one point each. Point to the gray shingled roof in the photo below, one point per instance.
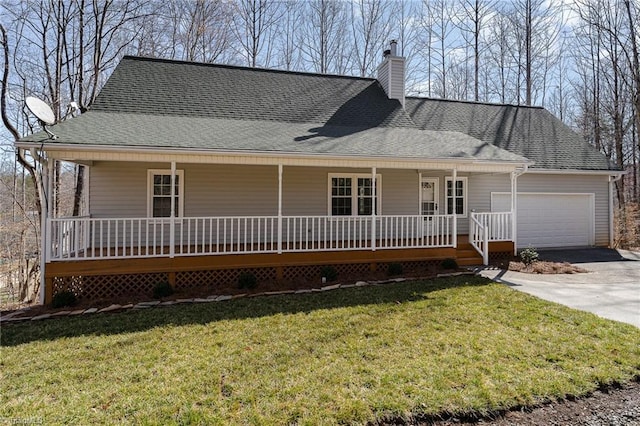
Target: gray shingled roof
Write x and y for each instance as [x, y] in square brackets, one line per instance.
[187, 89]
[172, 104]
[223, 134]
[532, 132]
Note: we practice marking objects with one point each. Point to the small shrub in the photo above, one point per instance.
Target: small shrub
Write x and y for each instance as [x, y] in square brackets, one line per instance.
[449, 264]
[162, 289]
[247, 280]
[394, 269]
[529, 255]
[64, 298]
[329, 272]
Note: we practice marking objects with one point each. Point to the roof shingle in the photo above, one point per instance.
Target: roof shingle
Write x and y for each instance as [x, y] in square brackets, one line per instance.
[532, 132]
[173, 104]
[161, 87]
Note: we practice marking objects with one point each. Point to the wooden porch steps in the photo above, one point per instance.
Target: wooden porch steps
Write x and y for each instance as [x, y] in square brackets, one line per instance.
[466, 255]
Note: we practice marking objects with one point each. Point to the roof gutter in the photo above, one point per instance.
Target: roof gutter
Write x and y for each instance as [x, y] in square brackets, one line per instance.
[576, 172]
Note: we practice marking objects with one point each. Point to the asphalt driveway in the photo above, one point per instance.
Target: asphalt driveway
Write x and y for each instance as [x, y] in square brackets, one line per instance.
[611, 288]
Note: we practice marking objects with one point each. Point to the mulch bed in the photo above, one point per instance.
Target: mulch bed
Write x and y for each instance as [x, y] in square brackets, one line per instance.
[545, 267]
[616, 405]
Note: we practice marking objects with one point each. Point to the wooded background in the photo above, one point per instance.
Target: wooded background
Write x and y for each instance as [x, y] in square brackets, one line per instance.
[579, 59]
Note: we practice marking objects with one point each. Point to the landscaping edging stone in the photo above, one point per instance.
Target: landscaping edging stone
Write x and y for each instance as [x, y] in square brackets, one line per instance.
[16, 316]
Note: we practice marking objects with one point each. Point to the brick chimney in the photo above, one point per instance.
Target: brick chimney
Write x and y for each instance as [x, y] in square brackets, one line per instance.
[391, 73]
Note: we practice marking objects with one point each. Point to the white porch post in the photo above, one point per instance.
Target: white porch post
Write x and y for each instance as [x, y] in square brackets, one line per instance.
[85, 191]
[44, 229]
[420, 193]
[51, 193]
[514, 210]
[374, 198]
[454, 178]
[279, 208]
[172, 223]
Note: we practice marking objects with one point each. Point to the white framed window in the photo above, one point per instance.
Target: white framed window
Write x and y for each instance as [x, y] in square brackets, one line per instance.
[159, 193]
[352, 194]
[461, 196]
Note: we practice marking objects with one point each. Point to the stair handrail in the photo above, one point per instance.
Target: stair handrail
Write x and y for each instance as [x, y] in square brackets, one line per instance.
[479, 237]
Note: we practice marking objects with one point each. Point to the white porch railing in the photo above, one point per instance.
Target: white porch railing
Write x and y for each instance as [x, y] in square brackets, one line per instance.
[93, 238]
[489, 226]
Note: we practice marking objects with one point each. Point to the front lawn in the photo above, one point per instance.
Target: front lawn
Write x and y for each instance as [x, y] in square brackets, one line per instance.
[458, 345]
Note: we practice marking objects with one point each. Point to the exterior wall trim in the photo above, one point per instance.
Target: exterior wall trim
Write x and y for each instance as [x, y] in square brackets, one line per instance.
[92, 153]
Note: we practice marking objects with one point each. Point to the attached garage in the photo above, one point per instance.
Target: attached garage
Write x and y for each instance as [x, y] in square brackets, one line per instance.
[547, 220]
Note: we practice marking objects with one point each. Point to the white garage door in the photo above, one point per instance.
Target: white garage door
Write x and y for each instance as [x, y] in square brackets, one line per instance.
[551, 220]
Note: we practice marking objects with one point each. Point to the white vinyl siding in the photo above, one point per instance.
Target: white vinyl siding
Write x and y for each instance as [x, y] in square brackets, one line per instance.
[119, 189]
[391, 77]
[481, 187]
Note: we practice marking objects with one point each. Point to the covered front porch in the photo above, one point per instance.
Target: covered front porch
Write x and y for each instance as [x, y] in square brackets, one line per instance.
[106, 258]
[110, 277]
[322, 213]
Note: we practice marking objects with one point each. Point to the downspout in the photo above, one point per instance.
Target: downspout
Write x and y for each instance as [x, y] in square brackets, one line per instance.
[514, 205]
[612, 182]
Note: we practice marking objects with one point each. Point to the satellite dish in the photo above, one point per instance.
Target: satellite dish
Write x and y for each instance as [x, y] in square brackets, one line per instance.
[43, 112]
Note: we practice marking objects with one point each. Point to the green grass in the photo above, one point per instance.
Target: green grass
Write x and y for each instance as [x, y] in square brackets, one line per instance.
[459, 345]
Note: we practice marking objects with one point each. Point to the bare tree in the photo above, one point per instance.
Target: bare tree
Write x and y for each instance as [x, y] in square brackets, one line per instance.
[60, 51]
[442, 30]
[405, 26]
[287, 49]
[471, 22]
[610, 28]
[323, 37]
[197, 30]
[370, 30]
[254, 21]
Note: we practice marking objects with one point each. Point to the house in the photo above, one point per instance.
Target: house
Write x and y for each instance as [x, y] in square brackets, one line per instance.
[197, 171]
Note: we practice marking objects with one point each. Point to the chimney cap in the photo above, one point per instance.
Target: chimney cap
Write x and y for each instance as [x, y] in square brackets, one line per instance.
[394, 47]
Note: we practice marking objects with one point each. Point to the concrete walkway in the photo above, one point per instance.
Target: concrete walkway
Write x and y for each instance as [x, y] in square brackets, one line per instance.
[611, 288]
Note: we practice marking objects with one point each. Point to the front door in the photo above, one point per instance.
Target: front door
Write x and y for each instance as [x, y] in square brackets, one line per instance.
[429, 197]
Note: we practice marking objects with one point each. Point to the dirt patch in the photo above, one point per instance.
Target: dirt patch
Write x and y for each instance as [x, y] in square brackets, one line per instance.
[545, 267]
[611, 406]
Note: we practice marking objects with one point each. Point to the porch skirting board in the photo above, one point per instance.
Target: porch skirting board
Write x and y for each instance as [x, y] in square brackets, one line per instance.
[110, 279]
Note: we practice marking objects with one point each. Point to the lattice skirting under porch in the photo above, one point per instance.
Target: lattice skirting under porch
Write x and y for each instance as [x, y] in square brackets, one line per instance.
[108, 286]
[500, 256]
[105, 287]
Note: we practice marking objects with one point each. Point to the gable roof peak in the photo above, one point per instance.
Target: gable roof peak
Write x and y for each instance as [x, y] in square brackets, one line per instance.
[242, 67]
[154, 86]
